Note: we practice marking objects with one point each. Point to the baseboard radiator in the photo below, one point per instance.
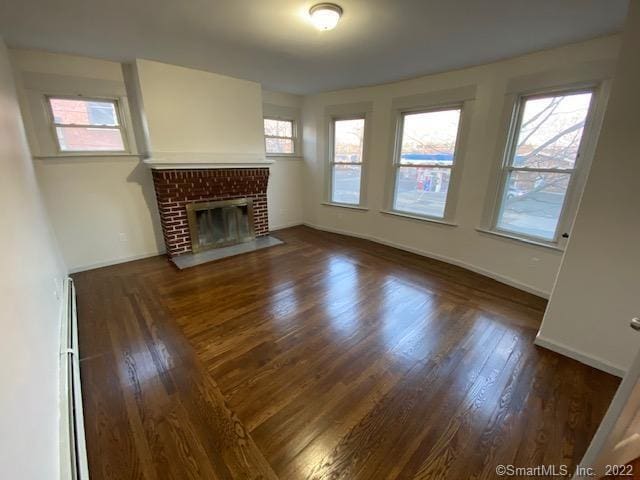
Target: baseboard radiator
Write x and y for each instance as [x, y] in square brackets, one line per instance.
[73, 457]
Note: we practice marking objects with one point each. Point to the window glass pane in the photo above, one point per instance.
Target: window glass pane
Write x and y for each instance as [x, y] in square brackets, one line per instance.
[87, 139]
[422, 190]
[532, 202]
[429, 138]
[551, 130]
[348, 140]
[345, 183]
[279, 145]
[102, 113]
[278, 128]
[83, 112]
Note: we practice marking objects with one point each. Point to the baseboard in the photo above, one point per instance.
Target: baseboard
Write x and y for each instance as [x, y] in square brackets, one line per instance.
[108, 263]
[285, 225]
[500, 278]
[116, 261]
[579, 356]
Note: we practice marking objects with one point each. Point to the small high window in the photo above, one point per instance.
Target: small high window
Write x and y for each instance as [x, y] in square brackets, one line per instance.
[86, 125]
[279, 136]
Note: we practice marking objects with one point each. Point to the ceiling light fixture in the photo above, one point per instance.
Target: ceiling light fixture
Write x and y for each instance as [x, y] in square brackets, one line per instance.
[325, 16]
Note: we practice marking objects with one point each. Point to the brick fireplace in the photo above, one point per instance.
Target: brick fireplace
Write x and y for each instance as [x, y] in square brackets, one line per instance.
[175, 188]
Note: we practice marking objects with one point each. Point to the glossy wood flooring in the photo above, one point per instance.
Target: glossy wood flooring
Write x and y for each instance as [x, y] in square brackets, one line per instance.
[324, 358]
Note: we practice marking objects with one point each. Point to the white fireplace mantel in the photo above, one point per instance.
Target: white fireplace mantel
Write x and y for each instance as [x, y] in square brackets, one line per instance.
[191, 160]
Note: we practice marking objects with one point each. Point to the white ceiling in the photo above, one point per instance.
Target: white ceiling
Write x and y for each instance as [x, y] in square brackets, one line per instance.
[272, 41]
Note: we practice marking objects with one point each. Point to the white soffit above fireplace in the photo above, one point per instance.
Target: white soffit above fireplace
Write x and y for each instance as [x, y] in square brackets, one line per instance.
[196, 119]
[189, 160]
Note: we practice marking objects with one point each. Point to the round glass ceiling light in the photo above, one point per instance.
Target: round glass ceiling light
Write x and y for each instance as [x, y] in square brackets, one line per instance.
[325, 16]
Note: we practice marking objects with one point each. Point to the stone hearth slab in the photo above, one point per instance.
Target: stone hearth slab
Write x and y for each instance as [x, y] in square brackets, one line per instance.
[192, 259]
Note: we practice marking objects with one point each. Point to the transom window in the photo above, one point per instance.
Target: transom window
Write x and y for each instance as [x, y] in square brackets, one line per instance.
[86, 125]
[279, 136]
[346, 159]
[424, 160]
[540, 163]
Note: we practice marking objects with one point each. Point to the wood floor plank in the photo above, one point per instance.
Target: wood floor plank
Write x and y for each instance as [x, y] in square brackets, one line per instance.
[326, 357]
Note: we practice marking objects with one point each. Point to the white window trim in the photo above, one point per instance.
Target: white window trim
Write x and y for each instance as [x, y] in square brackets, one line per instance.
[578, 173]
[291, 114]
[294, 138]
[120, 116]
[464, 104]
[345, 205]
[331, 163]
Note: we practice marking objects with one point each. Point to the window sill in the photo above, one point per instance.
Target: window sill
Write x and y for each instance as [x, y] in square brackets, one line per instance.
[284, 156]
[345, 205]
[535, 243]
[87, 155]
[419, 217]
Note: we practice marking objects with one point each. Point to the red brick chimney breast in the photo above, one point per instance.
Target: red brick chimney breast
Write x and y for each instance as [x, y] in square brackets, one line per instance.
[176, 188]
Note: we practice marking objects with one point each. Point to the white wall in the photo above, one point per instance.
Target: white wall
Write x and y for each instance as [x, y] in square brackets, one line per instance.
[195, 112]
[529, 267]
[597, 291]
[102, 208]
[30, 287]
[287, 174]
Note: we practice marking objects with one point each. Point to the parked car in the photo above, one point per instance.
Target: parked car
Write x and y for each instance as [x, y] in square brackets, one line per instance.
[514, 192]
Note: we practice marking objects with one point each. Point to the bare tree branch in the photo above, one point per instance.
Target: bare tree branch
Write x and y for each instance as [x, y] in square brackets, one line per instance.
[551, 110]
[553, 139]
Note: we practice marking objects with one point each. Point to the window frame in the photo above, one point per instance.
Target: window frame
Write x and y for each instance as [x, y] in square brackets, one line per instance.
[119, 117]
[454, 168]
[331, 151]
[294, 138]
[576, 174]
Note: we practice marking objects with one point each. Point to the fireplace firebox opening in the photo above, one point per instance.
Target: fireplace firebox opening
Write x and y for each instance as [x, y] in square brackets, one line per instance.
[220, 224]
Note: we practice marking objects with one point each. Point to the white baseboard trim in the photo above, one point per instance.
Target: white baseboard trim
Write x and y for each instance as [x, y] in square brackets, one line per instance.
[275, 228]
[581, 357]
[500, 278]
[115, 261]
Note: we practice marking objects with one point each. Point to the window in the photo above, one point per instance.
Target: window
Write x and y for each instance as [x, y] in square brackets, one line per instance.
[346, 160]
[279, 136]
[541, 158]
[87, 125]
[424, 161]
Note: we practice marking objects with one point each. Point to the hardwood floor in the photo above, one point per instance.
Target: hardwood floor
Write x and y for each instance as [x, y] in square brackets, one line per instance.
[324, 358]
